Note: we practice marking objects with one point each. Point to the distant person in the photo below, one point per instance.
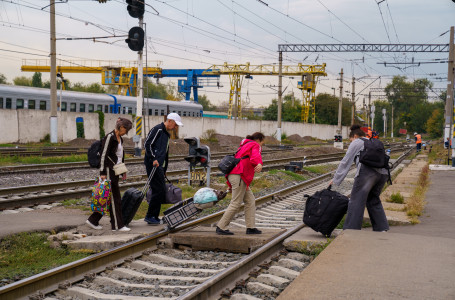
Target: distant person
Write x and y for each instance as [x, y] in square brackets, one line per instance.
[157, 155]
[369, 133]
[418, 140]
[239, 181]
[447, 143]
[368, 184]
[112, 153]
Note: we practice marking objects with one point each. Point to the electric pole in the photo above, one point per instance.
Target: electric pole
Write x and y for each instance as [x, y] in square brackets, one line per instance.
[280, 82]
[449, 132]
[53, 119]
[340, 103]
[353, 101]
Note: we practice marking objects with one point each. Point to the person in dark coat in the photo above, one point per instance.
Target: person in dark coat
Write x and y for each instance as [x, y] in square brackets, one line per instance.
[157, 156]
[112, 154]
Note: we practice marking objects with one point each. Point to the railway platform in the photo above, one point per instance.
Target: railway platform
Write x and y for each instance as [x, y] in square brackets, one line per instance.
[408, 262]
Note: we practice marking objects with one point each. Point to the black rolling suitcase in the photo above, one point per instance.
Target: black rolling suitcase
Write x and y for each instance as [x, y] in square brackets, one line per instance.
[132, 199]
[324, 210]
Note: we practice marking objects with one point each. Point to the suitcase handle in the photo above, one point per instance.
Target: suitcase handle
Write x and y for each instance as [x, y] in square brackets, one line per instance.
[147, 185]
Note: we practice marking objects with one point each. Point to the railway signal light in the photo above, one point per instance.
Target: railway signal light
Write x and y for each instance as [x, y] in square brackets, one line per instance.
[203, 155]
[338, 138]
[194, 144]
[135, 39]
[136, 8]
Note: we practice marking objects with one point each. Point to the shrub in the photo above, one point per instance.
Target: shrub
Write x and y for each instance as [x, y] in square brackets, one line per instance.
[396, 198]
[209, 135]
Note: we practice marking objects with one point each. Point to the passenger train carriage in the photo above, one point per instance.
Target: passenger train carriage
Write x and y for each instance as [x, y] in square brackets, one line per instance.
[22, 97]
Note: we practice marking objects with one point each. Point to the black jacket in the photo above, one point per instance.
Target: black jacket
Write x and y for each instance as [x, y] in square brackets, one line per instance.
[156, 146]
[110, 150]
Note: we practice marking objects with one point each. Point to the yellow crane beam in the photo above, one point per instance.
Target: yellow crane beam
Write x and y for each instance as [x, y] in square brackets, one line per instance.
[237, 71]
[247, 69]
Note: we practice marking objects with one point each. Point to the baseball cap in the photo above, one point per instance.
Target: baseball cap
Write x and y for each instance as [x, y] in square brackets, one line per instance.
[176, 118]
[415, 133]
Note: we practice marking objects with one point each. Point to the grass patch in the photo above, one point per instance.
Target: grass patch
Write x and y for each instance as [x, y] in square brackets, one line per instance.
[438, 155]
[416, 203]
[28, 160]
[7, 145]
[76, 204]
[396, 198]
[26, 254]
[320, 169]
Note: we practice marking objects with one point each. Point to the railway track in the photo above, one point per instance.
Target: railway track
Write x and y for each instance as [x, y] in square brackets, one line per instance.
[55, 167]
[139, 270]
[23, 196]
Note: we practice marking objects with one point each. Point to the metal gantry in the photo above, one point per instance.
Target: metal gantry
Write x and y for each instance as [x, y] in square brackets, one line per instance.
[237, 72]
[363, 48]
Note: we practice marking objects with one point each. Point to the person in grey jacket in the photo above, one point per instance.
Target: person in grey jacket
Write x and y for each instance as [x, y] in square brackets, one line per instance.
[368, 184]
[157, 156]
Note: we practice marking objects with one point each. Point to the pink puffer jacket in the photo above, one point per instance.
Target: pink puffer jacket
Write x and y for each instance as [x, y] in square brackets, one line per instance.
[246, 166]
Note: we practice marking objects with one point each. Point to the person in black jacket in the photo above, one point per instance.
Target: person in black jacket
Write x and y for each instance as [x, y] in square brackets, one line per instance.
[157, 155]
[112, 154]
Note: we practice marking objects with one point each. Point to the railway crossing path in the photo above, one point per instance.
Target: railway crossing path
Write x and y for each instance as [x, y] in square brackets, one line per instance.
[408, 262]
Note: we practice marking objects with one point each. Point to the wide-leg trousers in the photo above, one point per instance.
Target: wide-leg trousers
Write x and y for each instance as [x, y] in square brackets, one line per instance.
[365, 192]
[240, 194]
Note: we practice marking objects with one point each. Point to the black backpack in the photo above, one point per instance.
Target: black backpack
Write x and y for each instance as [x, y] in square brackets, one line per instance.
[228, 163]
[94, 155]
[373, 155]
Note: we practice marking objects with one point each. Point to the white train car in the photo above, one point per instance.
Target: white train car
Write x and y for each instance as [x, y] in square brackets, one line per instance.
[23, 97]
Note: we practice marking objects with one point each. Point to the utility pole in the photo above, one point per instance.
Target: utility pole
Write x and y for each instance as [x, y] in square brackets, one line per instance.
[449, 109]
[340, 103]
[53, 119]
[353, 101]
[369, 110]
[391, 133]
[280, 82]
[139, 100]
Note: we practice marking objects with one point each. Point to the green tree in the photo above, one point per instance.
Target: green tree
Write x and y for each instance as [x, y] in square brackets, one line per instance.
[327, 110]
[435, 123]
[22, 81]
[3, 79]
[36, 80]
[206, 104]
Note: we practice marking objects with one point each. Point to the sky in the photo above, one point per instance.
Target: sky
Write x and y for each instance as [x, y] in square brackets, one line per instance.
[199, 34]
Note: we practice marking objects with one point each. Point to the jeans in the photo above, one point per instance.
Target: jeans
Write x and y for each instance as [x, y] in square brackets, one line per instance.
[365, 192]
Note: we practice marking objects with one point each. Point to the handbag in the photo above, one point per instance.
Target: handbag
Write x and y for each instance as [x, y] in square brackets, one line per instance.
[173, 193]
[228, 163]
[101, 196]
[120, 169]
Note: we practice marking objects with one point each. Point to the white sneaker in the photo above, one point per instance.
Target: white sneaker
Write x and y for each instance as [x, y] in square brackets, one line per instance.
[93, 226]
[124, 228]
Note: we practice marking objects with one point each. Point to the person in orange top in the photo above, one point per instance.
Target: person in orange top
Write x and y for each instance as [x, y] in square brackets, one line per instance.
[418, 139]
[369, 133]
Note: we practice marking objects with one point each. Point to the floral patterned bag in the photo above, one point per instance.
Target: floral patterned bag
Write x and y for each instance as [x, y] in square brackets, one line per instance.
[101, 196]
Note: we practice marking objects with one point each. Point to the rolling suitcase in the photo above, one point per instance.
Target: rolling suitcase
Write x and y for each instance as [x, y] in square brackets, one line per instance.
[132, 199]
[324, 210]
[180, 212]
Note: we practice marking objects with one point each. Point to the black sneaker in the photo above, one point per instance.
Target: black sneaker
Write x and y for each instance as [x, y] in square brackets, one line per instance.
[223, 232]
[253, 231]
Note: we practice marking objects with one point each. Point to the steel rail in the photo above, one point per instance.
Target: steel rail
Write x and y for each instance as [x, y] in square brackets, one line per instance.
[48, 281]
[84, 183]
[212, 288]
[52, 167]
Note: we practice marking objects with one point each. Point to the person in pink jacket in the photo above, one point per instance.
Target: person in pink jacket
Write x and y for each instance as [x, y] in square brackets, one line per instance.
[239, 181]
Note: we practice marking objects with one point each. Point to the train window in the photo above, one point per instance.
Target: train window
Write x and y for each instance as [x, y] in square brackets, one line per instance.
[1, 102]
[63, 108]
[42, 105]
[8, 103]
[156, 112]
[91, 108]
[99, 107]
[31, 104]
[193, 113]
[184, 113]
[106, 108]
[19, 103]
[180, 113]
[130, 110]
[73, 107]
[82, 107]
[162, 112]
[150, 111]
